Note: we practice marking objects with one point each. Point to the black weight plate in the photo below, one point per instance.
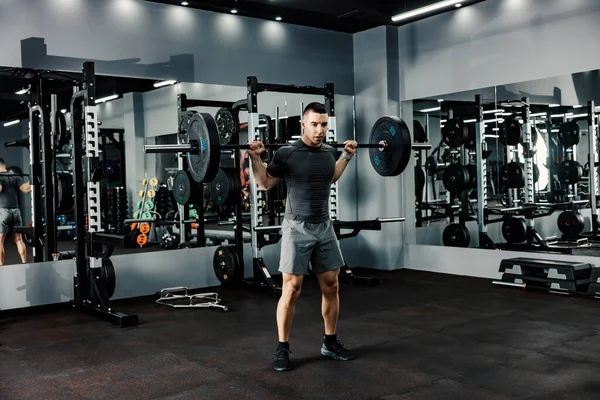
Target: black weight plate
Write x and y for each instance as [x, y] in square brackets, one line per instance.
[61, 136]
[228, 125]
[204, 165]
[64, 184]
[431, 165]
[471, 136]
[568, 134]
[419, 134]
[514, 230]
[184, 124]
[571, 223]
[395, 157]
[455, 178]
[108, 276]
[456, 235]
[536, 173]
[535, 134]
[419, 180]
[225, 188]
[455, 133]
[513, 175]
[185, 189]
[227, 264]
[472, 170]
[570, 172]
[511, 131]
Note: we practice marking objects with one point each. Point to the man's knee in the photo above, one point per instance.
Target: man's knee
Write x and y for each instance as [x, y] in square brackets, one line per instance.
[292, 286]
[328, 281]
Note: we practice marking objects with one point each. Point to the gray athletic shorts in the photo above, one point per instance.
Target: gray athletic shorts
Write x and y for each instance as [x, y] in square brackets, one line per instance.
[302, 242]
[9, 218]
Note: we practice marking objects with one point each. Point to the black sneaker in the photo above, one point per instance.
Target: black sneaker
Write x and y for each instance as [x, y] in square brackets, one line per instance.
[337, 351]
[282, 360]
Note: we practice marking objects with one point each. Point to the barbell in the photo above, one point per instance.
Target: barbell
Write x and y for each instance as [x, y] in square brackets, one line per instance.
[389, 146]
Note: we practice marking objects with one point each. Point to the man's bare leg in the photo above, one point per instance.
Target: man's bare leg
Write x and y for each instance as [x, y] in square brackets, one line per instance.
[330, 306]
[286, 308]
[2, 237]
[22, 249]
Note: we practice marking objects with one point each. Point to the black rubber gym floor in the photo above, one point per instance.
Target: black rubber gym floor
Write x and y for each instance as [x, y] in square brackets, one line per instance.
[416, 336]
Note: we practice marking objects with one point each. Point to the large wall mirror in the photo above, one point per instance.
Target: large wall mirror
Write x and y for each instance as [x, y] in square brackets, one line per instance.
[537, 155]
[135, 185]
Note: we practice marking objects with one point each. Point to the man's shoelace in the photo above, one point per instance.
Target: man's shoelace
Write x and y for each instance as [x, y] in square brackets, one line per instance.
[280, 354]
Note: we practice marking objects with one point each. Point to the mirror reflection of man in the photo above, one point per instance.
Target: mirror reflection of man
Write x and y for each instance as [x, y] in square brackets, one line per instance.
[10, 213]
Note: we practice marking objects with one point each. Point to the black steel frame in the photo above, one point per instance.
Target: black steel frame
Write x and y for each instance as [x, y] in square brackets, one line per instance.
[89, 284]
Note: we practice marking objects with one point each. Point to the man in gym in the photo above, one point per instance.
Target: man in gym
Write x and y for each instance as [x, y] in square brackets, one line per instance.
[10, 213]
[309, 167]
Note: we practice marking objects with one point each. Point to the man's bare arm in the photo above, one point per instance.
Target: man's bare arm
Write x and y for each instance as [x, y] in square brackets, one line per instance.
[25, 188]
[340, 166]
[261, 176]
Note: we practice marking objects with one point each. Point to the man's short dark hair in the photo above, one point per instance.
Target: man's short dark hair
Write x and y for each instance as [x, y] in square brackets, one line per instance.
[2, 162]
[319, 108]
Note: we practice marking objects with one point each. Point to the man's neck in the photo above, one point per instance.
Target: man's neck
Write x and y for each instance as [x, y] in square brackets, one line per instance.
[307, 142]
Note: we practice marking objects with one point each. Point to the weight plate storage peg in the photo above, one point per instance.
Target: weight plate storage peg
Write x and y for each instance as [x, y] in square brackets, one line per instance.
[395, 158]
[455, 133]
[456, 235]
[571, 223]
[514, 230]
[227, 264]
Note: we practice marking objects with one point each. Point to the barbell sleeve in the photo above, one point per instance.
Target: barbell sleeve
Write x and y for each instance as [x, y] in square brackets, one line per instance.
[421, 146]
[267, 228]
[169, 148]
[398, 219]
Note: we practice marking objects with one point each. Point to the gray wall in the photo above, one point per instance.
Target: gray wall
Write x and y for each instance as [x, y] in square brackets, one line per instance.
[111, 114]
[143, 39]
[377, 94]
[495, 43]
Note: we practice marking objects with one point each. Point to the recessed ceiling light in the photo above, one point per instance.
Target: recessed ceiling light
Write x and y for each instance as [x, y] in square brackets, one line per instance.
[234, 11]
[277, 18]
[425, 10]
[457, 5]
[185, 3]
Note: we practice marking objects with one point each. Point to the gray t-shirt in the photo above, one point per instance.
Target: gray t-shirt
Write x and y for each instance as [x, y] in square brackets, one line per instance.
[9, 196]
[307, 172]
